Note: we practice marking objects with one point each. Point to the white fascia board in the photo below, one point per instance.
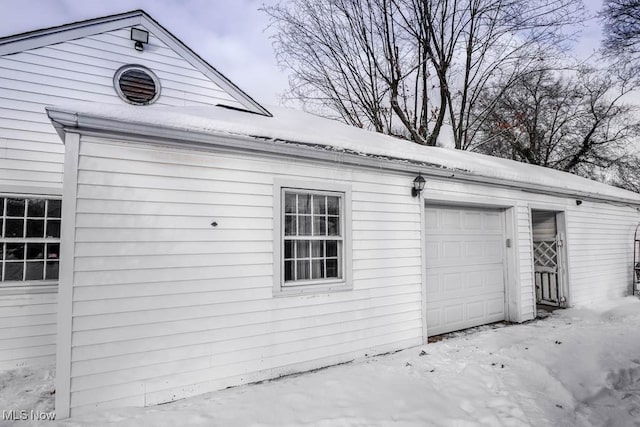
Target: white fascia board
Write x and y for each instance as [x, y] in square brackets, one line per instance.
[39, 38]
[203, 66]
[67, 120]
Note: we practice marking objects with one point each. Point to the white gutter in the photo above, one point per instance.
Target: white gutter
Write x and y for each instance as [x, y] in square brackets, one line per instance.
[68, 120]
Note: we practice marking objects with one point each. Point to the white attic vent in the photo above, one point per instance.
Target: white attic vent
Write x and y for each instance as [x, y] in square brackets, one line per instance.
[136, 85]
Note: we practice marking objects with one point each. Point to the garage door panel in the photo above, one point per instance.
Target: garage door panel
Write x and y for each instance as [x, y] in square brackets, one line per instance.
[466, 281]
[447, 318]
[465, 268]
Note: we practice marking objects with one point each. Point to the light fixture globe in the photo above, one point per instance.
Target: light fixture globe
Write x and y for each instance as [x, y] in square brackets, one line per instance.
[418, 185]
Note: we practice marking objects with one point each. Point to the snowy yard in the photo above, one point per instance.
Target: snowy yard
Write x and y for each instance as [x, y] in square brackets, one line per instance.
[578, 367]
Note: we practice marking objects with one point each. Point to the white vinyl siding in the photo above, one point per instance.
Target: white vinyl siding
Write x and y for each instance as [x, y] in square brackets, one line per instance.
[31, 153]
[600, 251]
[165, 305]
[27, 330]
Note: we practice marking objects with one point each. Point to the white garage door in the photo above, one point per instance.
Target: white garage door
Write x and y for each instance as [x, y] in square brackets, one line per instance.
[465, 268]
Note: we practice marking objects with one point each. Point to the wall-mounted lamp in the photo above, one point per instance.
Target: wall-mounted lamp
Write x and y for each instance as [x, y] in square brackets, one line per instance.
[418, 186]
[578, 202]
[141, 37]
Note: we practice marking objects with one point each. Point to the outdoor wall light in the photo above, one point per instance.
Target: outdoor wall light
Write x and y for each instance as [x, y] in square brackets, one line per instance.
[578, 202]
[141, 37]
[418, 185]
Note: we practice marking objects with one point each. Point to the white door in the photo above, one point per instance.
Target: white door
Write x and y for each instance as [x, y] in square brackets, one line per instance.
[465, 261]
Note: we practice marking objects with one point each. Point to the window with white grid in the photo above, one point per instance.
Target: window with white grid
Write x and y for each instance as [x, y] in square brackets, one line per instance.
[29, 239]
[313, 236]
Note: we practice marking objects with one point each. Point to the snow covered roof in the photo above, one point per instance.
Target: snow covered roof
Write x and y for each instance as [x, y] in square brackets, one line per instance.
[292, 126]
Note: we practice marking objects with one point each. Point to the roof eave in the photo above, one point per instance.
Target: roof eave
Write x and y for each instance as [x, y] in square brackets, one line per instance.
[71, 121]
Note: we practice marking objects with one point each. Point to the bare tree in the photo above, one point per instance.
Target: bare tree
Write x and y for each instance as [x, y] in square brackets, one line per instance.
[408, 67]
[572, 121]
[627, 174]
[621, 19]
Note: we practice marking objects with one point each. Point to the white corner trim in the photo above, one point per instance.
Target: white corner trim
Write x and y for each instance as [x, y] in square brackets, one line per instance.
[423, 273]
[65, 287]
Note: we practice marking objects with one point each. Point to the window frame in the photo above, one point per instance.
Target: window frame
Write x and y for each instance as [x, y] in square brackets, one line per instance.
[9, 286]
[297, 287]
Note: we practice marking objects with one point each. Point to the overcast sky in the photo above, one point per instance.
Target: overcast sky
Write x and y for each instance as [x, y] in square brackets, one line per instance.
[230, 34]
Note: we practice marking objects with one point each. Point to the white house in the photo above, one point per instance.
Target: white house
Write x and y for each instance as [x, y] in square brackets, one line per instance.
[73, 62]
[214, 244]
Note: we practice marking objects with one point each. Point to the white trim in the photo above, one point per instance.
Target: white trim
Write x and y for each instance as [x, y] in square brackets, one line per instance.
[423, 263]
[65, 290]
[561, 224]
[343, 284]
[25, 191]
[48, 36]
[28, 288]
[513, 297]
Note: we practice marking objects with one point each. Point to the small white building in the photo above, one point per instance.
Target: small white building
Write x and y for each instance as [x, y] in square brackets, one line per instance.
[216, 244]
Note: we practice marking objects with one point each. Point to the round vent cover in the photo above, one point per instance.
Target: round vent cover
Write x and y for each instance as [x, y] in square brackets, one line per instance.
[136, 85]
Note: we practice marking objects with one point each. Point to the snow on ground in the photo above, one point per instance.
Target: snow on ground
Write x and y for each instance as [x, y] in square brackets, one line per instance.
[577, 367]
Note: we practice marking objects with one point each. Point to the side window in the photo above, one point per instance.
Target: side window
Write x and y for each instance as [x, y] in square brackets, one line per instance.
[29, 239]
[312, 236]
[312, 239]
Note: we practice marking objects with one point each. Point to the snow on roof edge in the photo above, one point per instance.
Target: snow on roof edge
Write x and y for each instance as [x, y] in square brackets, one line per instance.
[302, 128]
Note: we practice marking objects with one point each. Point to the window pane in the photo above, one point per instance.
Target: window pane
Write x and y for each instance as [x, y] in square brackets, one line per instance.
[1, 226]
[303, 270]
[15, 251]
[332, 248]
[53, 251]
[332, 268]
[35, 271]
[304, 224]
[54, 208]
[13, 271]
[15, 228]
[319, 205]
[333, 205]
[35, 228]
[333, 226]
[319, 226]
[35, 250]
[288, 249]
[15, 207]
[317, 248]
[52, 270]
[288, 270]
[53, 228]
[304, 203]
[302, 249]
[35, 208]
[289, 203]
[317, 269]
[290, 225]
